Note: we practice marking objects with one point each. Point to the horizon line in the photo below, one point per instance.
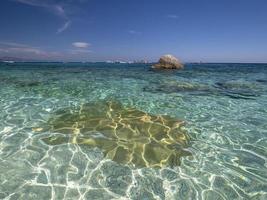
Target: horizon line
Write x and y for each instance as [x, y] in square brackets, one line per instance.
[123, 62]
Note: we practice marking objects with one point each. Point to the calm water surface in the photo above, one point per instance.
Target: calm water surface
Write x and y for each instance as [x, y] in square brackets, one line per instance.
[212, 119]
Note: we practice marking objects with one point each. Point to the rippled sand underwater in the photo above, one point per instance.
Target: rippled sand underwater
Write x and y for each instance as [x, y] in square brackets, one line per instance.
[113, 131]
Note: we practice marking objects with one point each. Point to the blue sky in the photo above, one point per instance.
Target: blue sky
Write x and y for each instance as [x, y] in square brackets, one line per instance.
[99, 30]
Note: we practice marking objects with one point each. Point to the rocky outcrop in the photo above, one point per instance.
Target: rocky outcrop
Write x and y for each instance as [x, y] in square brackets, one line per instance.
[168, 62]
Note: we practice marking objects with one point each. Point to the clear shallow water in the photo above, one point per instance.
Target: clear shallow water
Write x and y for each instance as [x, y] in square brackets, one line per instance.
[224, 107]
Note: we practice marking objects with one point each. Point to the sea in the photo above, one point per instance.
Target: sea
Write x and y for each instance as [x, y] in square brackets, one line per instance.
[127, 131]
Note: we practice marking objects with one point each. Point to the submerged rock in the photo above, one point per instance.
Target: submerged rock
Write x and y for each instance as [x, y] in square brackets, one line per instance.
[262, 80]
[168, 62]
[20, 83]
[238, 89]
[236, 85]
[231, 89]
[177, 87]
[125, 135]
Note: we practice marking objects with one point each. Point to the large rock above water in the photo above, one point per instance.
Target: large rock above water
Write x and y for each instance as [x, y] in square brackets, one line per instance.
[168, 62]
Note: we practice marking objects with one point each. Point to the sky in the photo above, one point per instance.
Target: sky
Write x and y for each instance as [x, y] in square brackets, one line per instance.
[101, 30]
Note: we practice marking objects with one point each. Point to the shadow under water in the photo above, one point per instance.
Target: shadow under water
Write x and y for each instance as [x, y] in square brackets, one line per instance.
[125, 135]
[19, 83]
[231, 89]
[177, 87]
[238, 89]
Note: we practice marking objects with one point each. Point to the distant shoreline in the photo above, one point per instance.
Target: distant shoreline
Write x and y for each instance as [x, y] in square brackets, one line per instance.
[127, 63]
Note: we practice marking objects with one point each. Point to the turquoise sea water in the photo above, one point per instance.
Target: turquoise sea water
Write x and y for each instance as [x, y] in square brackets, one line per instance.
[224, 107]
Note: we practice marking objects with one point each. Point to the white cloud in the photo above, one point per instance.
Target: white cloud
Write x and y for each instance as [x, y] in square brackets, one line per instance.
[26, 50]
[82, 45]
[64, 27]
[4, 50]
[80, 51]
[80, 48]
[14, 45]
[172, 16]
[51, 6]
[57, 9]
[134, 32]
[23, 49]
[19, 50]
